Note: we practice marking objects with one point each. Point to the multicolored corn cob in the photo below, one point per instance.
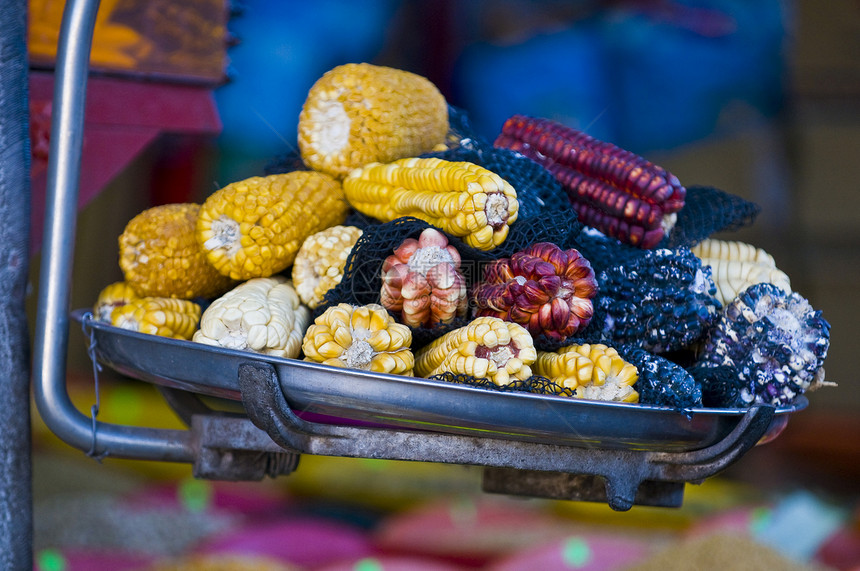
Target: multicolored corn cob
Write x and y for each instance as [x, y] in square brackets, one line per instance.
[487, 347]
[421, 281]
[461, 198]
[613, 190]
[775, 342]
[545, 289]
[360, 113]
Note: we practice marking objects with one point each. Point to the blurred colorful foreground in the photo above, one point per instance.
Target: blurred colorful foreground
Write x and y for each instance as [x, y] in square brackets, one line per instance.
[373, 515]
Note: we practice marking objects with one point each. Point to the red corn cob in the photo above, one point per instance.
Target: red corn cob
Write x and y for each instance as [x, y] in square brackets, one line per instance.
[612, 189]
[545, 289]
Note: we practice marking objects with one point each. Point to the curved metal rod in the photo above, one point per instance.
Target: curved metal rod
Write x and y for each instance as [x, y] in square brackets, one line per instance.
[52, 318]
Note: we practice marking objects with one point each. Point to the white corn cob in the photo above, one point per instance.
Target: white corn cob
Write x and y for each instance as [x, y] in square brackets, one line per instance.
[735, 266]
[263, 315]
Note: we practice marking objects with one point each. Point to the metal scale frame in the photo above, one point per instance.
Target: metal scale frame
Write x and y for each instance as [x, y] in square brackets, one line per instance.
[270, 437]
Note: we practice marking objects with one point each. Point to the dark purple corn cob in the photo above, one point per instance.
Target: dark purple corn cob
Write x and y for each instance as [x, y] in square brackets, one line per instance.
[775, 343]
[613, 190]
[662, 301]
[662, 382]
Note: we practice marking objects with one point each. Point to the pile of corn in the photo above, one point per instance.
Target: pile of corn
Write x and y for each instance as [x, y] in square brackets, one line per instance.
[244, 269]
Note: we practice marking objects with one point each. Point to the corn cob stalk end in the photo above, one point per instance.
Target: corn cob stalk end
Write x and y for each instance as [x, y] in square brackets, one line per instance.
[360, 337]
[253, 228]
[487, 347]
[461, 198]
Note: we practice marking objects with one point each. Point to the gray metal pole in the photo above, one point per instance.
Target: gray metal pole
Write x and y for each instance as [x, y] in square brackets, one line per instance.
[51, 330]
[16, 501]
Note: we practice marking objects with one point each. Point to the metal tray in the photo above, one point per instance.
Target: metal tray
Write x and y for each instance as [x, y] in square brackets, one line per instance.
[349, 395]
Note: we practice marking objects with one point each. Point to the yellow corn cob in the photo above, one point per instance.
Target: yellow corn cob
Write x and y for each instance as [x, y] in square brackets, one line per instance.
[112, 296]
[461, 198]
[262, 315]
[568, 370]
[320, 261]
[360, 337]
[487, 347]
[254, 228]
[160, 257]
[164, 316]
[737, 265]
[360, 113]
[612, 378]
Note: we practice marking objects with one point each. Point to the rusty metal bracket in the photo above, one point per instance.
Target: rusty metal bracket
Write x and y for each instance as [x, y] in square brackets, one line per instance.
[228, 447]
[511, 466]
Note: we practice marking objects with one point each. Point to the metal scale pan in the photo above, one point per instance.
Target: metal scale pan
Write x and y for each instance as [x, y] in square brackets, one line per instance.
[415, 403]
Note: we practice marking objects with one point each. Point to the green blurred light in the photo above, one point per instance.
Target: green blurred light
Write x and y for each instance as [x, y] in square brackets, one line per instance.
[760, 518]
[126, 403]
[50, 560]
[374, 464]
[195, 495]
[368, 564]
[575, 552]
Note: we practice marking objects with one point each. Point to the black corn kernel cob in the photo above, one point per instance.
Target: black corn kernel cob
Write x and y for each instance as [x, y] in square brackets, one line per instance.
[613, 190]
[662, 382]
[661, 301]
[774, 341]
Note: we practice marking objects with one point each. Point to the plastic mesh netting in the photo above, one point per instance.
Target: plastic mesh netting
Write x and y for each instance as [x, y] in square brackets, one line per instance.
[534, 384]
[708, 210]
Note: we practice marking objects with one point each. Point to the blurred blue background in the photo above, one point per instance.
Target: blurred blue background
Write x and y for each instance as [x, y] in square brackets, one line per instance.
[645, 75]
[282, 48]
